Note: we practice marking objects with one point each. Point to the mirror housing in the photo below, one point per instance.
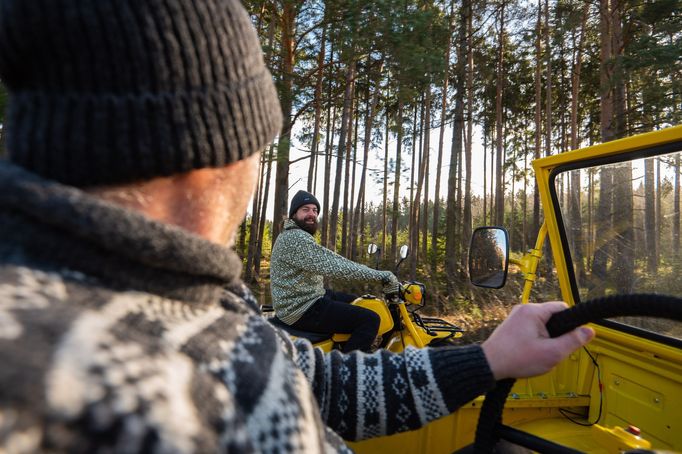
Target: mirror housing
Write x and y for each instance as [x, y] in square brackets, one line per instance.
[372, 249]
[489, 257]
[404, 251]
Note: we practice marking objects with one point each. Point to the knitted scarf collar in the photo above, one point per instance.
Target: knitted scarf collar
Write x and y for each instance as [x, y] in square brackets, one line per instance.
[61, 226]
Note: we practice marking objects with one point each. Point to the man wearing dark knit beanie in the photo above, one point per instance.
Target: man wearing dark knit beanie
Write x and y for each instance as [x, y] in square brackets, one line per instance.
[298, 267]
[133, 128]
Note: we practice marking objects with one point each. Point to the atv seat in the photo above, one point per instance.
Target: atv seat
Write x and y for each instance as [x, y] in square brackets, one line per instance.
[312, 337]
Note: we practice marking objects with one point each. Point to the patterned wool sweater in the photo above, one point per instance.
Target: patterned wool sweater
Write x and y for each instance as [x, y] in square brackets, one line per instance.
[119, 334]
[298, 267]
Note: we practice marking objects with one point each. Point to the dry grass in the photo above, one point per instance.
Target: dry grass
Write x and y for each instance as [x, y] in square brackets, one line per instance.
[479, 323]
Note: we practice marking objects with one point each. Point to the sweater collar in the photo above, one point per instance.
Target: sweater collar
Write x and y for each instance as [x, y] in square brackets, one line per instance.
[290, 224]
[61, 226]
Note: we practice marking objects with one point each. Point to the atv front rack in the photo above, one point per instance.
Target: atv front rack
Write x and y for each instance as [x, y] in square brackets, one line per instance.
[433, 326]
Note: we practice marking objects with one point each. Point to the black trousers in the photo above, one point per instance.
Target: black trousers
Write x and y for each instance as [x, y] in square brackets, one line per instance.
[333, 313]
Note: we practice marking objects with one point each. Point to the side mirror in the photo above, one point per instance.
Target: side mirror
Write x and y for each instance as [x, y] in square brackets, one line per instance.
[489, 257]
[404, 251]
[372, 249]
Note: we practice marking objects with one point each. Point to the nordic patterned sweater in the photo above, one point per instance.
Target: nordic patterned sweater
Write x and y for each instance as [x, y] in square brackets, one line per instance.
[298, 266]
[119, 334]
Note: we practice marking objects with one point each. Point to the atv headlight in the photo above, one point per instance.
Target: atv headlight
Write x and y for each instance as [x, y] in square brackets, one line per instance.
[414, 293]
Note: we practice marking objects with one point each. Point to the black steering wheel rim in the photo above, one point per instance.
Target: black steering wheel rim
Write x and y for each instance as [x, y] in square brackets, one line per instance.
[647, 305]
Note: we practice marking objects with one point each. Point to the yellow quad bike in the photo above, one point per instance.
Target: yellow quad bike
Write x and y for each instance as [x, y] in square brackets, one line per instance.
[400, 325]
[623, 391]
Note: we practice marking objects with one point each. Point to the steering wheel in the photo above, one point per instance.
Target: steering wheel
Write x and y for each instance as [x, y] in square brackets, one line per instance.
[490, 428]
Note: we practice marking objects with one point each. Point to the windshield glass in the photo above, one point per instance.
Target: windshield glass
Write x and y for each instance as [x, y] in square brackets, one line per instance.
[622, 227]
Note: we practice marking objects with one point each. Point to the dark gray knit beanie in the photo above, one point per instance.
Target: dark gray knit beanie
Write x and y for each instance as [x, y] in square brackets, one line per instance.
[112, 91]
[302, 198]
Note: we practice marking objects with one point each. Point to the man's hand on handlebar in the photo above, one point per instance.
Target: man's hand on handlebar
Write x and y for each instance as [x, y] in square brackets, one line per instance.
[391, 286]
[521, 347]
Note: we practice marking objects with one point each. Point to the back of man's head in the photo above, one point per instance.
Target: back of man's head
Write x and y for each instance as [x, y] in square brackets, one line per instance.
[109, 92]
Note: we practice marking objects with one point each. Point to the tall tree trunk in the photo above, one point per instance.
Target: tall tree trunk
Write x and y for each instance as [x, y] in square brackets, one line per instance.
[329, 146]
[524, 226]
[603, 223]
[624, 257]
[659, 212]
[466, 215]
[548, 85]
[396, 184]
[384, 206]
[451, 224]
[499, 193]
[352, 236]
[613, 126]
[590, 224]
[441, 133]
[318, 110]
[343, 139]
[263, 211]
[414, 232]
[485, 175]
[623, 193]
[535, 225]
[255, 221]
[350, 147]
[369, 122]
[414, 165]
[576, 208]
[602, 219]
[606, 73]
[287, 41]
[650, 216]
[492, 177]
[425, 208]
[676, 209]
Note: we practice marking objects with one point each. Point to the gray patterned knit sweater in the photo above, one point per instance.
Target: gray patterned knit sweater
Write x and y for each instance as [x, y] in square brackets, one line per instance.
[298, 267]
[119, 334]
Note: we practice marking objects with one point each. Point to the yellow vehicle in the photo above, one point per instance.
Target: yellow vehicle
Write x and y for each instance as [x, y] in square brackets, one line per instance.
[400, 325]
[624, 390]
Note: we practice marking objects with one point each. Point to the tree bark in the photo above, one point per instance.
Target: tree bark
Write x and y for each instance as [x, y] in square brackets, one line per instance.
[414, 231]
[318, 111]
[535, 225]
[676, 209]
[329, 145]
[343, 139]
[263, 211]
[253, 227]
[441, 133]
[384, 206]
[650, 216]
[287, 41]
[396, 185]
[369, 123]
[466, 215]
[347, 183]
[576, 208]
[499, 193]
[548, 85]
[451, 224]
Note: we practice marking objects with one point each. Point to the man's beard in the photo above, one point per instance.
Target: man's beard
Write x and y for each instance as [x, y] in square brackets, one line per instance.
[310, 228]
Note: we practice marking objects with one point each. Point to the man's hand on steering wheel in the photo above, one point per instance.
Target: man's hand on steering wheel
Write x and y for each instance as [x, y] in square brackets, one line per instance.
[521, 346]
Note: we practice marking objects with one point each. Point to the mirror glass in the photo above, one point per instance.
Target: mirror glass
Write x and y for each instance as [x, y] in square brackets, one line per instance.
[404, 251]
[488, 257]
[372, 249]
